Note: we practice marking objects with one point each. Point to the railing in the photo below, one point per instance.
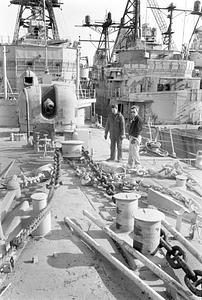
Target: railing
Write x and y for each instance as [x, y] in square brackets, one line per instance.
[11, 96]
[5, 39]
[191, 110]
[179, 143]
[86, 93]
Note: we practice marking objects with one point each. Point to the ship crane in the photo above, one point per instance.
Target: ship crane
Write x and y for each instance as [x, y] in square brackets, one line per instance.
[162, 24]
[104, 28]
[169, 32]
[38, 18]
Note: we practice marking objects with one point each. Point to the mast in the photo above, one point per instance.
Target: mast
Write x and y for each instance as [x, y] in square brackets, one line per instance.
[37, 18]
[45, 37]
[5, 73]
[105, 28]
[130, 27]
[169, 32]
[153, 4]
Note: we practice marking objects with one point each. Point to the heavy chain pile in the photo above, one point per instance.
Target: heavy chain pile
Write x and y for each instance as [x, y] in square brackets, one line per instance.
[188, 202]
[26, 181]
[92, 174]
[18, 241]
[176, 258]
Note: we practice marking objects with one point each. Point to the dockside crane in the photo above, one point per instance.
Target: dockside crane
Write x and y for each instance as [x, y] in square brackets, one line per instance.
[37, 16]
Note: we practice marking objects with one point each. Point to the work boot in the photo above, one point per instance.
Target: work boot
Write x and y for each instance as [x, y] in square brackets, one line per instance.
[119, 160]
[110, 159]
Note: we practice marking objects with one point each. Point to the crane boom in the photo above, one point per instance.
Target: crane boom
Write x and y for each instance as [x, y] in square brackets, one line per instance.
[161, 23]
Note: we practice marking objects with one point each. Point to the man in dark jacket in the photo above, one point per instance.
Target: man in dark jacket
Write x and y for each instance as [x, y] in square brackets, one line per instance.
[134, 137]
[115, 126]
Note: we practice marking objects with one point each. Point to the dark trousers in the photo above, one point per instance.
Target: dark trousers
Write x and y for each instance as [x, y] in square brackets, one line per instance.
[116, 142]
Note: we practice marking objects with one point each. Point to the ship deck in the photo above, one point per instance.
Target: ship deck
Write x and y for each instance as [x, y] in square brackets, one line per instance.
[67, 267]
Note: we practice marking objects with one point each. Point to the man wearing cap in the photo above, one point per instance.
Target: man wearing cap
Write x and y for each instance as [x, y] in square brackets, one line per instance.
[134, 137]
[115, 126]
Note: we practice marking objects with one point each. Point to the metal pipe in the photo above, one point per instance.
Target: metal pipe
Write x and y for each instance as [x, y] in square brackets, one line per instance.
[27, 115]
[5, 171]
[149, 293]
[172, 145]
[45, 37]
[77, 71]
[5, 74]
[150, 132]
[172, 283]
[182, 240]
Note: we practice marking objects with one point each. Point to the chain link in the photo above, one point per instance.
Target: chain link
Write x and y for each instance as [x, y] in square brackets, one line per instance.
[18, 241]
[113, 182]
[175, 255]
[176, 258]
[194, 284]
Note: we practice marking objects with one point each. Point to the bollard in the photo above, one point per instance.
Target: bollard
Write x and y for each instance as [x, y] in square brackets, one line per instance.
[39, 202]
[198, 163]
[181, 181]
[126, 203]
[2, 248]
[68, 134]
[36, 141]
[72, 148]
[147, 226]
[13, 184]
[179, 214]
[12, 137]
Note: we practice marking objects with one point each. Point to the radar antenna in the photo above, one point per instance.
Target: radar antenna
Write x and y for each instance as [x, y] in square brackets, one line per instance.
[105, 28]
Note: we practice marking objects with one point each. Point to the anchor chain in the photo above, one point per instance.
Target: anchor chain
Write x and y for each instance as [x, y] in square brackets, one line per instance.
[176, 195]
[97, 176]
[111, 183]
[176, 257]
[19, 240]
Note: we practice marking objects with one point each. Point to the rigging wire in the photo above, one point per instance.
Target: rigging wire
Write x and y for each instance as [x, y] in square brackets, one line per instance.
[145, 50]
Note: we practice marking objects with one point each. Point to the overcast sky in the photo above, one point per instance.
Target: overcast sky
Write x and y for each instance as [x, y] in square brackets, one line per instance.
[73, 13]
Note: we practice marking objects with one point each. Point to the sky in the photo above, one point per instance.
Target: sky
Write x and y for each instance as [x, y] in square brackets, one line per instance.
[73, 13]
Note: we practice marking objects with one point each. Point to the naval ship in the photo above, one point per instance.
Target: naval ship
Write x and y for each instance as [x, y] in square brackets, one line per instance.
[165, 83]
[75, 226]
[37, 48]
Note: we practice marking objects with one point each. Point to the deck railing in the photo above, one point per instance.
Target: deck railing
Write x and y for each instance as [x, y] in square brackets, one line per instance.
[86, 93]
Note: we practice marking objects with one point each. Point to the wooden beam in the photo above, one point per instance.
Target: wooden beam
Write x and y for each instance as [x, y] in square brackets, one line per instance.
[149, 293]
[172, 283]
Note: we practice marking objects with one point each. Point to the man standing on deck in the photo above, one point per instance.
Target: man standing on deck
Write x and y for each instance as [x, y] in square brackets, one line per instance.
[134, 137]
[116, 127]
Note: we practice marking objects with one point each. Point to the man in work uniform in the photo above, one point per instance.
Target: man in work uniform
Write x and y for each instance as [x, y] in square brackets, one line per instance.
[115, 126]
[134, 137]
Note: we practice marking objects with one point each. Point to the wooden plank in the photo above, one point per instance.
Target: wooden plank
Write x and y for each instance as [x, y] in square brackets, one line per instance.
[149, 293]
[172, 283]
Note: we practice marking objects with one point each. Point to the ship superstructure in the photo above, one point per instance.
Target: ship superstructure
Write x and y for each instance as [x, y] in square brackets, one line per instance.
[161, 80]
[37, 47]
